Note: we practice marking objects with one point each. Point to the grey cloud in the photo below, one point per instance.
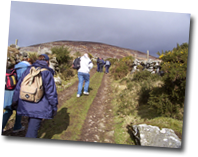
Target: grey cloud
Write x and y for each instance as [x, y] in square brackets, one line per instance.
[34, 23]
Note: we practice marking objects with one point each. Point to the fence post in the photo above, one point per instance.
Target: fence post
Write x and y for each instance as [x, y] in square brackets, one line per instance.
[16, 42]
[147, 55]
[39, 50]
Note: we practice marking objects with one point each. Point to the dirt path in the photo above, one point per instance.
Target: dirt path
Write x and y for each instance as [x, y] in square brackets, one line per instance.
[98, 126]
[68, 92]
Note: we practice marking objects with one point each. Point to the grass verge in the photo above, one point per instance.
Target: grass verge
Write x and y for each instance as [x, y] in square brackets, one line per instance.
[130, 106]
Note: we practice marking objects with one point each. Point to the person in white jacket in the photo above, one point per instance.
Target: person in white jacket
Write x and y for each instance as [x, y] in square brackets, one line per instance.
[83, 74]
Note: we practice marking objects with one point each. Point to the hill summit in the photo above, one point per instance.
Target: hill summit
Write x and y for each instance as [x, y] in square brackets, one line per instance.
[94, 48]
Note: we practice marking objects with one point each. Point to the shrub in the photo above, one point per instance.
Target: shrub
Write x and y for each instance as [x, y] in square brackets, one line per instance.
[141, 75]
[77, 54]
[122, 67]
[62, 54]
[140, 67]
[144, 93]
[90, 55]
[33, 56]
[66, 72]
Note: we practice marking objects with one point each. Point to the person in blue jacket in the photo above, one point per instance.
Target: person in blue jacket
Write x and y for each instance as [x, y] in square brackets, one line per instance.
[103, 63]
[8, 95]
[98, 65]
[46, 108]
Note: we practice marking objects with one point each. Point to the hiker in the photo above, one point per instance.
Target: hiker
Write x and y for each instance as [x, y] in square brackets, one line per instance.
[98, 65]
[101, 64]
[8, 95]
[46, 107]
[107, 66]
[83, 74]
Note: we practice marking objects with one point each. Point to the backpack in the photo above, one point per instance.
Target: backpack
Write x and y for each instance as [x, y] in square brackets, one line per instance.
[100, 61]
[76, 63]
[11, 79]
[108, 63]
[32, 86]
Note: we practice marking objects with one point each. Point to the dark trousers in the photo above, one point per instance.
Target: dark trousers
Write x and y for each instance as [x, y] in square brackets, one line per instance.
[101, 67]
[98, 67]
[33, 126]
[107, 68]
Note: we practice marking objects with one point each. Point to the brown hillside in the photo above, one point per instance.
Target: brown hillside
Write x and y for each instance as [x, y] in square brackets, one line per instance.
[96, 49]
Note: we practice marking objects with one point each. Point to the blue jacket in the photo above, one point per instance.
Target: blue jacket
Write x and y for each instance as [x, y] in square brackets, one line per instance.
[45, 107]
[8, 94]
[103, 62]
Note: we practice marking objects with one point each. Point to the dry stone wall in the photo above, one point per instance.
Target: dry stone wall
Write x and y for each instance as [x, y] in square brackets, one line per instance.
[150, 65]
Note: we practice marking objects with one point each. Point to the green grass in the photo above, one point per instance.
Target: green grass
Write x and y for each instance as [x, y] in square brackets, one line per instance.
[70, 117]
[128, 109]
[66, 84]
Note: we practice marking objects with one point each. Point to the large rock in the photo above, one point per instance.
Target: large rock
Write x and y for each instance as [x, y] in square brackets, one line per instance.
[58, 80]
[53, 63]
[147, 135]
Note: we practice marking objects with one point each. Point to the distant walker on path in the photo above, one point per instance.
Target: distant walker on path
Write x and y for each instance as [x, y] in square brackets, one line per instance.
[107, 66]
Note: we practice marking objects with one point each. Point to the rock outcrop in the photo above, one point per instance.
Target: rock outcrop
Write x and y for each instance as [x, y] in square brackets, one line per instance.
[13, 56]
[53, 63]
[58, 80]
[147, 135]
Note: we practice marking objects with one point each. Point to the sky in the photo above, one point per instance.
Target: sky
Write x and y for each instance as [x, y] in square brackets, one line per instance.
[35, 23]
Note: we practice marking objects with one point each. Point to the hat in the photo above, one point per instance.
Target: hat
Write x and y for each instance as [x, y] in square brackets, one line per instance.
[86, 55]
[46, 57]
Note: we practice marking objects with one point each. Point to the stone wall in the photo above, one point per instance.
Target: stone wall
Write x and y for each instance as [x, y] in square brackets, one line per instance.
[150, 65]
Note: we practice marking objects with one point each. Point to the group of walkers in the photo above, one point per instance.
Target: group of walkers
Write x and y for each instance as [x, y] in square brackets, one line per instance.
[102, 63]
[39, 100]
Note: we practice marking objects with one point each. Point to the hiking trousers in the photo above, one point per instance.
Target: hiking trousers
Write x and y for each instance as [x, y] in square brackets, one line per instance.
[98, 67]
[33, 126]
[107, 68]
[83, 77]
[101, 68]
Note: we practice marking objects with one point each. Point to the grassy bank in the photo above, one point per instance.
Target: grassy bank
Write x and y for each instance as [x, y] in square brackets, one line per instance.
[69, 120]
[131, 106]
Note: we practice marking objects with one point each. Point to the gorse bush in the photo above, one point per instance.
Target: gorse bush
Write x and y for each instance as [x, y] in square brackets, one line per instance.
[65, 61]
[122, 67]
[169, 99]
[141, 75]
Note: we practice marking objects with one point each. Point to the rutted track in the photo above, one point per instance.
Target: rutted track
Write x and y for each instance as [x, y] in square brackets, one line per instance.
[96, 127]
